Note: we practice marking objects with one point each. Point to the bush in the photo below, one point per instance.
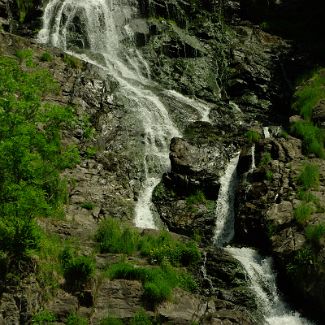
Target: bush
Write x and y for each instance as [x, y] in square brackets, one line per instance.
[25, 55]
[46, 57]
[312, 136]
[303, 212]
[158, 282]
[265, 159]
[88, 205]
[141, 318]
[43, 317]
[269, 175]
[113, 238]
[109, 320]
[309, 177]
[253, 136]
[77, 270]
[74, 319]
[315, 233]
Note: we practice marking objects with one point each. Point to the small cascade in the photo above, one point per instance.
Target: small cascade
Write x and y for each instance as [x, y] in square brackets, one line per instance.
[204, 272]
[253, 166]
[224, 229]
[266, 132]
[263, 282]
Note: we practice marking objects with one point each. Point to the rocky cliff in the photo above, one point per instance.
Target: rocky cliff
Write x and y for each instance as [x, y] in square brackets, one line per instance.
[216, 53]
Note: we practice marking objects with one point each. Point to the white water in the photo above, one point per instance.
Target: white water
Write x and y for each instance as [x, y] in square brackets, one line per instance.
[263, 282]
[259, 270]
[266, 132]
[104, 24]
[224, 229]
[253, 166]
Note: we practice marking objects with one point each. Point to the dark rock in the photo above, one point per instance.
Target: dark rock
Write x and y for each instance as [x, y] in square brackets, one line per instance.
[318, 115]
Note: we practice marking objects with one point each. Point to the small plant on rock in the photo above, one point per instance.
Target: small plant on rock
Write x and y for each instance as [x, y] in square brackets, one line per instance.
[253, 136]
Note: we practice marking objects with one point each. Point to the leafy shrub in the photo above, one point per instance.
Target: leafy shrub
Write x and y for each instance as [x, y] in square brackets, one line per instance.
[303, 212]
[269, 175]
[88, 205]
[253, 136]
[25, 55]
[314, 233]
[158, 282]
[75, 319]
[312, 136]
[265, 159]
[114, 238]
[91, 152]
[46, 57]
[141, 318]
[309, 93]
[309, 176]
[43, 317]
[77, 270]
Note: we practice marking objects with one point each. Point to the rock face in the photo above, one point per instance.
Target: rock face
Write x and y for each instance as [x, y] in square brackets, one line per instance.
[267, 200]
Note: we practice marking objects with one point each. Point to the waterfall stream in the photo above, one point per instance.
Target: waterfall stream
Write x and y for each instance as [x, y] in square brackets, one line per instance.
[259, 269]
[94, 31]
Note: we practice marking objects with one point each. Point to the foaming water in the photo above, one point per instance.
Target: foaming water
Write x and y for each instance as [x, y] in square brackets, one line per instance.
[224, 229]
[263, 281]
[96, 31]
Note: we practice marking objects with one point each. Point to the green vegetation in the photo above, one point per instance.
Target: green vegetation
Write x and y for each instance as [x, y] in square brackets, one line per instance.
[141, 318]
[72, 61]
[312, 136]
[88, 205]
[43, 317]
[25, 55]
[303, 212]
[309, 93]
[309, 177]
[198, 198]
[306, 98]
[115, 238]
[24, 7]
[314, 233]
[110, 320]
[253, 136]
[265, 159]
[32, 157]
[75, 319]
[46, 57]
[269, 175]
[158, 282]
[163, 251]
[91, 152]
[77, 270]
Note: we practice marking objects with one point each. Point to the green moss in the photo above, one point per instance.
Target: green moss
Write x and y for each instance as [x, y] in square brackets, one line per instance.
[253, 136]
[309, 176]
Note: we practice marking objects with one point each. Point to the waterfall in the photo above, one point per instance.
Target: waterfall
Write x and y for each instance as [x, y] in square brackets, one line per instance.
[94, 31]
[253, 166]
[263, 282]
[266, 132]
[224, 229]
[259, 270]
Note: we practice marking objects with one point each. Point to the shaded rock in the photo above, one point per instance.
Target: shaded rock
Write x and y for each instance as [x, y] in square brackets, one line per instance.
[63, 305]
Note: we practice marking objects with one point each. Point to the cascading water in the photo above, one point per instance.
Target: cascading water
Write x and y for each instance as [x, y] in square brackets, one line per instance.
[259, 270]
[224, 230]
[92, 30]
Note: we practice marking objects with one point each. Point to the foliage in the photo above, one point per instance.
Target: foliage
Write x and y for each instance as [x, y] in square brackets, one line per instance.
[88, 205]
[46, 57]
[75, 319]
[158, 282]
[91, 152]
[307, 196]
[77, 270]
[303, 212]
[115, 238]
[199, 198]
[32, 155]
[269, 175]
[301, 261]
[43, 317]
[312, 136]
[72, 61]
[314, 233]
[253, 136]
[109, 320]
[309, 176]
[309, 93]
[140, 318]
[265, 159]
